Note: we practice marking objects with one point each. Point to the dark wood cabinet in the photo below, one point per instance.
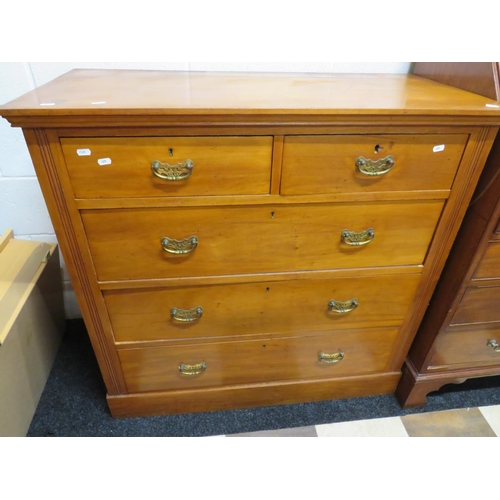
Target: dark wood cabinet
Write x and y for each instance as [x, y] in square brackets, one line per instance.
[459, 337]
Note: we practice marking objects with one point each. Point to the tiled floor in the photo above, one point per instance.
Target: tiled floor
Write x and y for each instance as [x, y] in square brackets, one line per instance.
[467, 422]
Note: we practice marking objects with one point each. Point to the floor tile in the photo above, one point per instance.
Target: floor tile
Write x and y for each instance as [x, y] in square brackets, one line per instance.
[453, 423]
[295, 432]
[380, 427]
[492, 416]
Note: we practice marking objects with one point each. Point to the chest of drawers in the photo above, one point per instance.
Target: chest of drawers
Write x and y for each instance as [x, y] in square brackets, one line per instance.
[245, 240]
[459, 335]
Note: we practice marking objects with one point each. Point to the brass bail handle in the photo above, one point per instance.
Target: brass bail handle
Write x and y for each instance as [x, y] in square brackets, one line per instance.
[191, 370]
[178, 172]
[332, 358]
[340, 307]
[179, 247]
[494, 345]
[186, 315]
[354, 239]
[375, 167]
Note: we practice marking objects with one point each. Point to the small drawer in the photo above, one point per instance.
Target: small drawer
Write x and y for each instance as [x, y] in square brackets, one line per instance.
[489, 267]
[190, 242]
[257, 361]
[478, 305]
[467, 346]
[356, 163]
[273, 307]
[496, 232]
[109, 167]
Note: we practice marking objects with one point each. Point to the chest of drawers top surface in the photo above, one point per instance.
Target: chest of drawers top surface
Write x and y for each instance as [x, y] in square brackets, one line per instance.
[111, 93]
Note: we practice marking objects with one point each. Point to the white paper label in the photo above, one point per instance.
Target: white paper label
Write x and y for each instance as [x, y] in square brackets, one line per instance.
[98, 102]
[436, 149]
[492, 106]
[104, 161]
[83, 152]
[47, 104]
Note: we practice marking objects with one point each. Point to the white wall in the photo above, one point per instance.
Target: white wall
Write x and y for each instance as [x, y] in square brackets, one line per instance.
[22, 207]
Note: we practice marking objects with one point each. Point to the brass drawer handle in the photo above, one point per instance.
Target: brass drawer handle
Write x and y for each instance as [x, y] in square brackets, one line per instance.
[192, 369]
[179, 247]
[375, 167]
[494, 345]
[354, 239]
[186, 315]
[168, 172]
[342, 307]
[336, 357]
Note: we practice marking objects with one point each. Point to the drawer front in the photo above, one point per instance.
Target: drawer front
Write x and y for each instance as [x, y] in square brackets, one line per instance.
[496, 233]
[489, 267]
[479, 305]
[285, 307]
[328, 164]
[257, 361]
[221, 166]
[467, 346]
[126, 244]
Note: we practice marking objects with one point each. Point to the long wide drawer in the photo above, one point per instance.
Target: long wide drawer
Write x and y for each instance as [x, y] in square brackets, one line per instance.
[123, 167]
[284, 307]
[257, 361]
[161, 243]
[467, 346]
[355, 163]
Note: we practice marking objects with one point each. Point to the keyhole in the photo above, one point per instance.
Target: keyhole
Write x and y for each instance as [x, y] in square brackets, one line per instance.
[267, 290]
[378, 148]
[170, 152]
[272, 215]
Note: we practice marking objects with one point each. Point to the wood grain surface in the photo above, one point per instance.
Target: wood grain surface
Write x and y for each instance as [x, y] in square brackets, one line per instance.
[125, 92]
[126, 244]
[489, 266]
[466, 347]
[478, 305]
[258, 361]
[222, 166]
[327, 164]
[268, 307]
[478, 77]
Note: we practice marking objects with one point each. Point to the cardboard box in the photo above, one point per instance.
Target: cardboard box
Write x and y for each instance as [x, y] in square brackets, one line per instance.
[32, 323]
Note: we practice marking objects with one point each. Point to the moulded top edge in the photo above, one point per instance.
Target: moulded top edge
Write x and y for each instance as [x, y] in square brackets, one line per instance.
[133, 92]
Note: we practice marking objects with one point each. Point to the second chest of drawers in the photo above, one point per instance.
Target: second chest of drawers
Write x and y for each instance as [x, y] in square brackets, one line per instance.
[459, 337]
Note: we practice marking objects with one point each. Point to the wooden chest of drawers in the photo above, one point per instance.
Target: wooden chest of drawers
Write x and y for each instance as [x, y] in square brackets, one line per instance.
[460, 333]
[244, 240]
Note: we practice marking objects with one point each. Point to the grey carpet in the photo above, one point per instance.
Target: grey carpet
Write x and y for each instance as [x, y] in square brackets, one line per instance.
[74, 404]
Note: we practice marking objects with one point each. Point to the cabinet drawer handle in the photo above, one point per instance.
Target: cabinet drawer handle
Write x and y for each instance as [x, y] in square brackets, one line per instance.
[336, 357]
[167, 172]
[192, 369]
[354, 239]
[186, 315]
[375, 167]
[342, 307]
[494, 345]
[179, 247]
